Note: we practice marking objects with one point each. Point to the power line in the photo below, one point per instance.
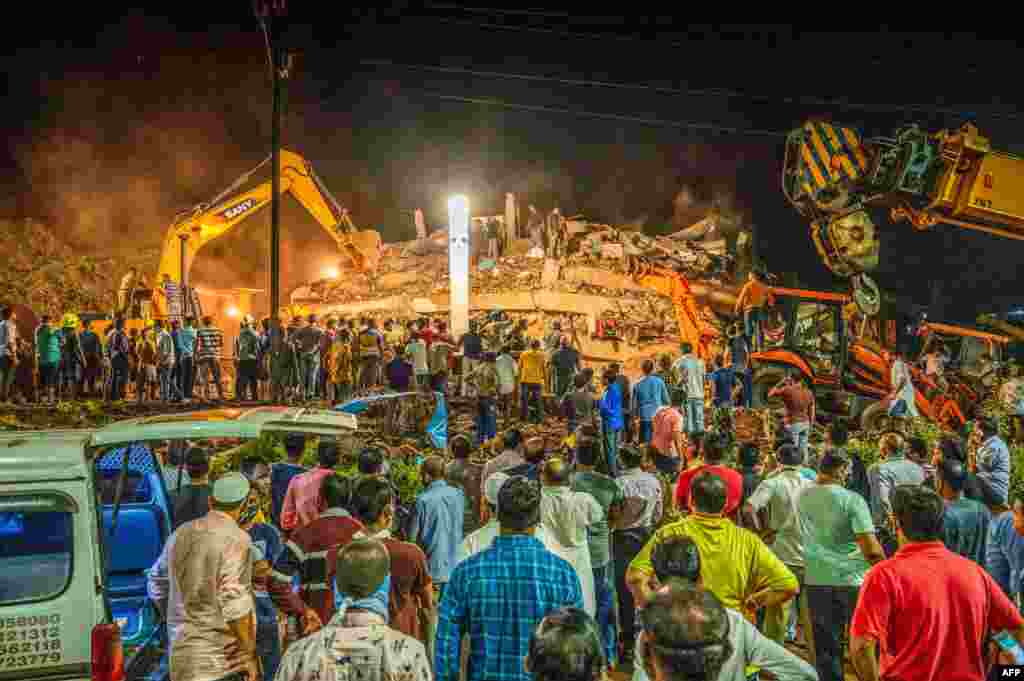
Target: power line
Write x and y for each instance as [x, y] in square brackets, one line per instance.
[607, 116]
[691, 92]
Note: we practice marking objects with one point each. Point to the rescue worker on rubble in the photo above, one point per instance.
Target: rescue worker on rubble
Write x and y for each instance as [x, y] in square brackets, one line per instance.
[754, 298]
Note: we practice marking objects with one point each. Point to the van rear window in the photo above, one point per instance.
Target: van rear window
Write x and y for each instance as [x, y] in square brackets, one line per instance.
[36, 547]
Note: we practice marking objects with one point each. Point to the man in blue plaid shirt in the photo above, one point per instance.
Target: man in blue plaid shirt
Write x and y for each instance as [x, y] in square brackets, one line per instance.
[500, 595]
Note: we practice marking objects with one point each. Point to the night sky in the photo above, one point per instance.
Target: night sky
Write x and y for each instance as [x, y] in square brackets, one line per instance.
[116, 123]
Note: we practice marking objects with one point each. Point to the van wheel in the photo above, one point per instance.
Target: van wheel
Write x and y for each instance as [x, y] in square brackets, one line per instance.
[765, 380]
[875, 417]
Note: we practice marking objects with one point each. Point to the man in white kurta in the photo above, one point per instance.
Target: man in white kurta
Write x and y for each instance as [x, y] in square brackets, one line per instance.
[203, 582]
[565, 516]
[482, 539]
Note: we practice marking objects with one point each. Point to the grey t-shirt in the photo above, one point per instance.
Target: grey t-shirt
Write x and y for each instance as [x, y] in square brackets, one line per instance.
[751, 649]
[883, 477]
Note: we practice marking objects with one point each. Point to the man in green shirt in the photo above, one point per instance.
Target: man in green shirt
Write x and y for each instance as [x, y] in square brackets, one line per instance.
[839, 547]
[611, 499]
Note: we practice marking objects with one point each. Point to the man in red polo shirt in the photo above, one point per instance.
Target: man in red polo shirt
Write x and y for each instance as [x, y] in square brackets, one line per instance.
[928, 609]
[714, 462]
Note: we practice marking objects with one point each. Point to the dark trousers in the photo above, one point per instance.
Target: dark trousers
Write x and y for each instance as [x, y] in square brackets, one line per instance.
[119, 371]
[186, 376]
[563, 382]
[831, 611]
[245, 382]
[626, 544]
[746, 378]
[604, 595]
[268, 645]
[646, 431]
[612, 438]
[530, 398]
[486, 419]
[667, 465]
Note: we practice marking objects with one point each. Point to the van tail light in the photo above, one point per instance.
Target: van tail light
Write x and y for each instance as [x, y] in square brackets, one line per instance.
[107, 653]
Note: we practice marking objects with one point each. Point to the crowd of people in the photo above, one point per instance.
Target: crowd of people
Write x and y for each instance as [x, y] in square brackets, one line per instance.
[564, 562]
[559, 560]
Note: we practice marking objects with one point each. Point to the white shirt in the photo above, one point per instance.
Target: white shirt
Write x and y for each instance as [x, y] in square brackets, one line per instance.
[9, 338]
[482, 539]
[692, 367]
[899, 371]
[205, 585]
[566, 515]
[507, 369]
[780, 493]
[637, 483]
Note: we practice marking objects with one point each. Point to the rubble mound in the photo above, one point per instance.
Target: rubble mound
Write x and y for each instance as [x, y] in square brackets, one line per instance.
[51, 276]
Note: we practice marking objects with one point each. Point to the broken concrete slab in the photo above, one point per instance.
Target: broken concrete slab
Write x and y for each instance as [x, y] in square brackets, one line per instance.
[393, 280]
[552, 270]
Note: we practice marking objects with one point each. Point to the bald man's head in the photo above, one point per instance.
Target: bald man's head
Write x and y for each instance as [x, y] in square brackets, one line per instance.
[556, 472]
[362, 566]
[433, 468]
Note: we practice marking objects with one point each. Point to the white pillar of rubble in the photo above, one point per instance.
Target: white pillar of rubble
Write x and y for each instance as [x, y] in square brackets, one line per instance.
[458, 263]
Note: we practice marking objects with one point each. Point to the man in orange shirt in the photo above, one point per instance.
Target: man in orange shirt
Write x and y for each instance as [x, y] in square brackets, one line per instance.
[753, 298]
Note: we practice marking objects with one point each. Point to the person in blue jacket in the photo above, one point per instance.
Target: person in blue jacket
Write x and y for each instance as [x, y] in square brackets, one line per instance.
[611, 421]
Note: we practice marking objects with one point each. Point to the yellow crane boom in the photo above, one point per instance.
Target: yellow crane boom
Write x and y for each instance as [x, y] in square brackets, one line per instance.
[190, 232]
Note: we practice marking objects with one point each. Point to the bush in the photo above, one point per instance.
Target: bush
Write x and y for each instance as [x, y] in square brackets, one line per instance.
[269, 448]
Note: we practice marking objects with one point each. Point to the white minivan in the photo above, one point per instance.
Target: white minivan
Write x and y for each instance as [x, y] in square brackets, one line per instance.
[71, 544]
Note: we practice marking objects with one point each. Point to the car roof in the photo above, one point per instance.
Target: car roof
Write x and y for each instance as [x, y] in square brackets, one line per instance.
[230, 422]
[62, 454]
[43, 455]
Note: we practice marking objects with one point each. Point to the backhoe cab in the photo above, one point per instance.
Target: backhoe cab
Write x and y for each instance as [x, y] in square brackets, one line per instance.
[849, 367]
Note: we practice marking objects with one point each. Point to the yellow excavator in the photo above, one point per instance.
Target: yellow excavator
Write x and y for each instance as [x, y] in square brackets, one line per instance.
[195, 228]
[832, 175]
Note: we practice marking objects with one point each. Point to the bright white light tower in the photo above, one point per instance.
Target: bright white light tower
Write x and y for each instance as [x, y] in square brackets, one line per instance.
[458, 262]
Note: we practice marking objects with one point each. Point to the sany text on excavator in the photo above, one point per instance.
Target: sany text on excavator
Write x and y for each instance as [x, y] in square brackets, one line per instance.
[833, 175]
[195, 228]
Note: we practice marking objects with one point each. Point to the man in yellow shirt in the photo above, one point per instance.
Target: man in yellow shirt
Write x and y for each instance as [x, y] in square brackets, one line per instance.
[532, 374]
[736, 565]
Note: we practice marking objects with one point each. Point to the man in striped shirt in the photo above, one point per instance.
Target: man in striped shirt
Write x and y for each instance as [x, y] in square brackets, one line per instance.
[499, 596]
[209, 344]
[310, 553]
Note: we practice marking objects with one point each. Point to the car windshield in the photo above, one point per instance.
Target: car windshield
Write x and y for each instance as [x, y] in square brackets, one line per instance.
[36, 547]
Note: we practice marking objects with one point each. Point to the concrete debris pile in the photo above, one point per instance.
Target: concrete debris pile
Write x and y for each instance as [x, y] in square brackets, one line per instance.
[588, 287]
[50, 276]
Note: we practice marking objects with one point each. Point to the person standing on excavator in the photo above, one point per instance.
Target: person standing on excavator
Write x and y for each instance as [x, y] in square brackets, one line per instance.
[754, 297]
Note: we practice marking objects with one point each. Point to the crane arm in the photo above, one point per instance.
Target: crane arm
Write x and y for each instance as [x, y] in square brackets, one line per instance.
[832, 175]
[211, 221]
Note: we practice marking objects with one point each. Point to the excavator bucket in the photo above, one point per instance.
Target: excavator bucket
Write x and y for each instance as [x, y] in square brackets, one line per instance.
[848, 244]
[364, 249]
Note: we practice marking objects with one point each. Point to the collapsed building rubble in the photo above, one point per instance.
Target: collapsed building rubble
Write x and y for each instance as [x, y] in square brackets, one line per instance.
[592, 287]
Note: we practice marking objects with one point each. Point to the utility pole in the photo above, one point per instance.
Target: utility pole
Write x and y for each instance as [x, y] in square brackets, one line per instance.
[271, 13]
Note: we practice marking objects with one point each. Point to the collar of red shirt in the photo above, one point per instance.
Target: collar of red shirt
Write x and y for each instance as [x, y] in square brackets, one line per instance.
[919, 547]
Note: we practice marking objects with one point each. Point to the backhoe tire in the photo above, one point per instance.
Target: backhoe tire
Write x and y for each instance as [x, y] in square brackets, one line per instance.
[875, 417]
[764, 380]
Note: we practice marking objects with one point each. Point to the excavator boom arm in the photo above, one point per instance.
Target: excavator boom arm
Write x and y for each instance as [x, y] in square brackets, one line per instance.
[208, 223]
[692, 327]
